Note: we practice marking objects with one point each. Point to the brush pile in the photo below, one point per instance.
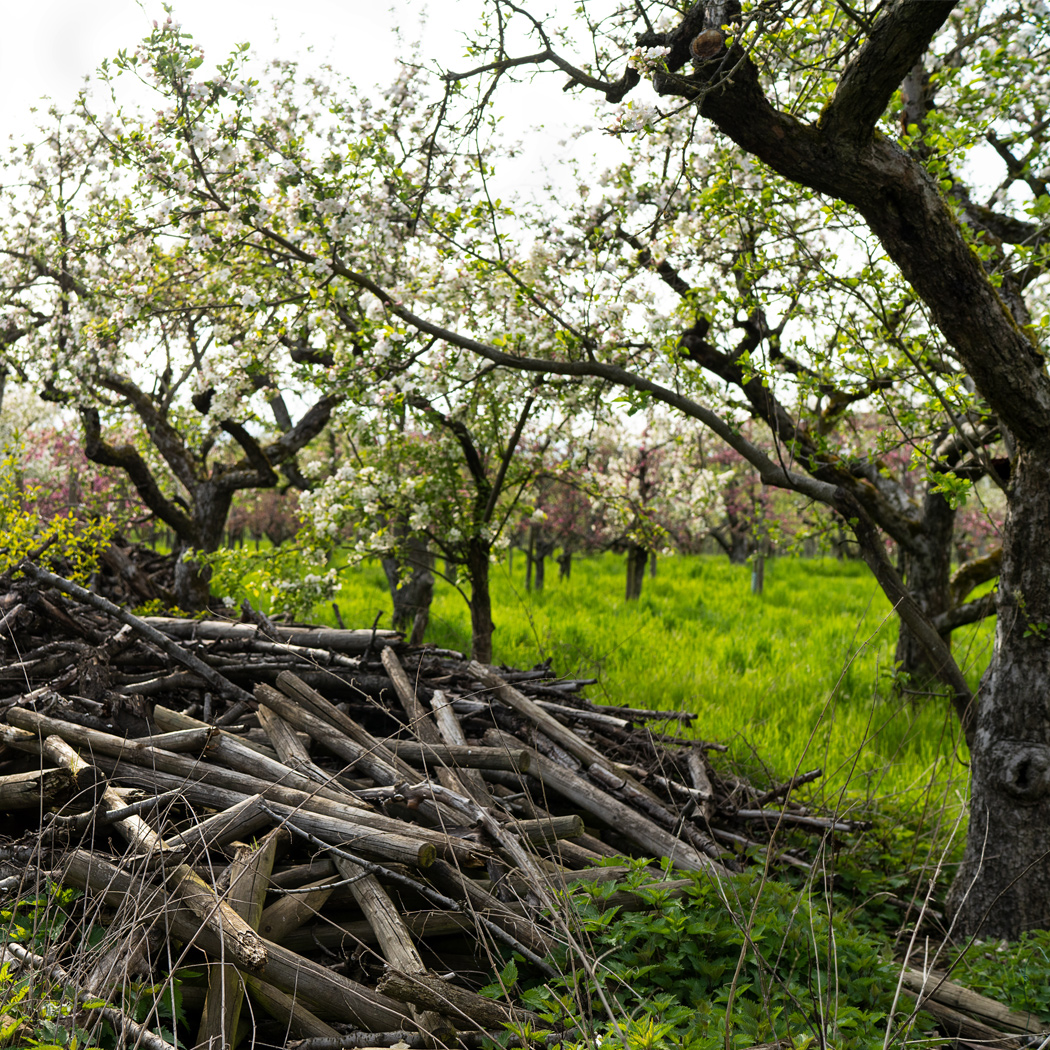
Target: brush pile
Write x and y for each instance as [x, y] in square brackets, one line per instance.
[352, 835]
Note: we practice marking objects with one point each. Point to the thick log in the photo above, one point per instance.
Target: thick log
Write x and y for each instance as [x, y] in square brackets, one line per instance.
[141, 627]
[451, 732]
[327, 994]
[645, 834]
[211, 786]
[350, 642]
[936, 986]
[465, 756]
[40, 789]
[250, 870]
[240, 821]
[292, 910]
[419, 721]
[296, 1019]
[395, 941]
[292, 751]
[360, 758]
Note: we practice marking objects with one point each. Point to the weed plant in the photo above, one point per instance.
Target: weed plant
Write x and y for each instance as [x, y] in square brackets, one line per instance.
[736, 954]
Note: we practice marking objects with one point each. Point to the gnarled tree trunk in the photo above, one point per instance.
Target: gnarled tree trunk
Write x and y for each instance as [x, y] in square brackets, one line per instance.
[1003, 885]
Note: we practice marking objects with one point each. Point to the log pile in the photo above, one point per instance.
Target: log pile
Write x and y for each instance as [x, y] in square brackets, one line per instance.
[334, 831]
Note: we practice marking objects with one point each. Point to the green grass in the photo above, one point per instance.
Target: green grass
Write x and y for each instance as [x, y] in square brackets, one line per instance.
[798, 677]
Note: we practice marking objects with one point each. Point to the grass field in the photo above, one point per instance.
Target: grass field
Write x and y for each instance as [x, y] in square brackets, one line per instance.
[795, 678]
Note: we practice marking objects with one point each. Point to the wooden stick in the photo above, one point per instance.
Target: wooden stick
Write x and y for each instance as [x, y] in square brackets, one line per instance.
[124, 1026]
[395, 941]
[359, 757]
[292, 910]
[295, 1018]
[39, 789]
[464, 756]
[239, 821]
[643, 832]
[419, 721]
[250, 871]
[936, 986]
[326, 993]
[141, 627]
[292, 751]
[470, 1010]
[212, 786]
[451, 732]
[354, 642]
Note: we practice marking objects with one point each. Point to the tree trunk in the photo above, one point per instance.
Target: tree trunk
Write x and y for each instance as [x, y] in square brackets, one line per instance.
[529, 556]
[481, 625]
[211, 506]
[1003, 885]
[411, 596]
[637, 556]
[564, 565]
[926, 569]
[758, 572]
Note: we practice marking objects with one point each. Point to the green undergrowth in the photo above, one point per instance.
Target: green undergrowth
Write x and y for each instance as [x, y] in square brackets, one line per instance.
[765, 960]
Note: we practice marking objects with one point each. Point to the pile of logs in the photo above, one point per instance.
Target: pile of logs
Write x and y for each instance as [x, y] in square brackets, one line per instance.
[338, 833]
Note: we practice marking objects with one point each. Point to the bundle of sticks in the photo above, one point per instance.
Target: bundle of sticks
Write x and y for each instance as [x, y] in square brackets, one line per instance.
[336, 832]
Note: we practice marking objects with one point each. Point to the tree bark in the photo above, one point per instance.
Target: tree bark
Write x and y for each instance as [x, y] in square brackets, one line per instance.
[565, 564]
[637, 557]
[926, 568]
[481, 625]
[1003, 885]
[412, 596]
[758, 572]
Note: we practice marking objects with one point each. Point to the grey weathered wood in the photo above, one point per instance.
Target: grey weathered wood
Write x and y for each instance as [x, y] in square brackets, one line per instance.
[451, 732]
[250, 871]
[352, 642]
[327, 994]
[299, 1022]
[469, 1009]
[37, 789]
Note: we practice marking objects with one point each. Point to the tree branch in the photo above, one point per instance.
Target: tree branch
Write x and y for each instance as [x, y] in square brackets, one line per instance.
[897, 41]
[127, 458]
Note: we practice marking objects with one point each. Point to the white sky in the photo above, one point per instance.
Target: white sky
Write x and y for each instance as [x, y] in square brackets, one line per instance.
[47, 47]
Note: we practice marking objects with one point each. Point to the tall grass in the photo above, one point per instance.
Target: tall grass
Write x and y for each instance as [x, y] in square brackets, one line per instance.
[798, 677]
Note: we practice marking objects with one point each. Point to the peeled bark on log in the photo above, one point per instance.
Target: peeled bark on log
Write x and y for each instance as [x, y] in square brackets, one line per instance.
[38, 789]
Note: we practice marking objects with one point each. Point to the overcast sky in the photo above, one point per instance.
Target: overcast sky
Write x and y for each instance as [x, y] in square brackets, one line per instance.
[48, 46]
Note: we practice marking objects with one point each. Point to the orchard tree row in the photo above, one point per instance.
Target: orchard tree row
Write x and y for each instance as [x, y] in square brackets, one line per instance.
[816, 214]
